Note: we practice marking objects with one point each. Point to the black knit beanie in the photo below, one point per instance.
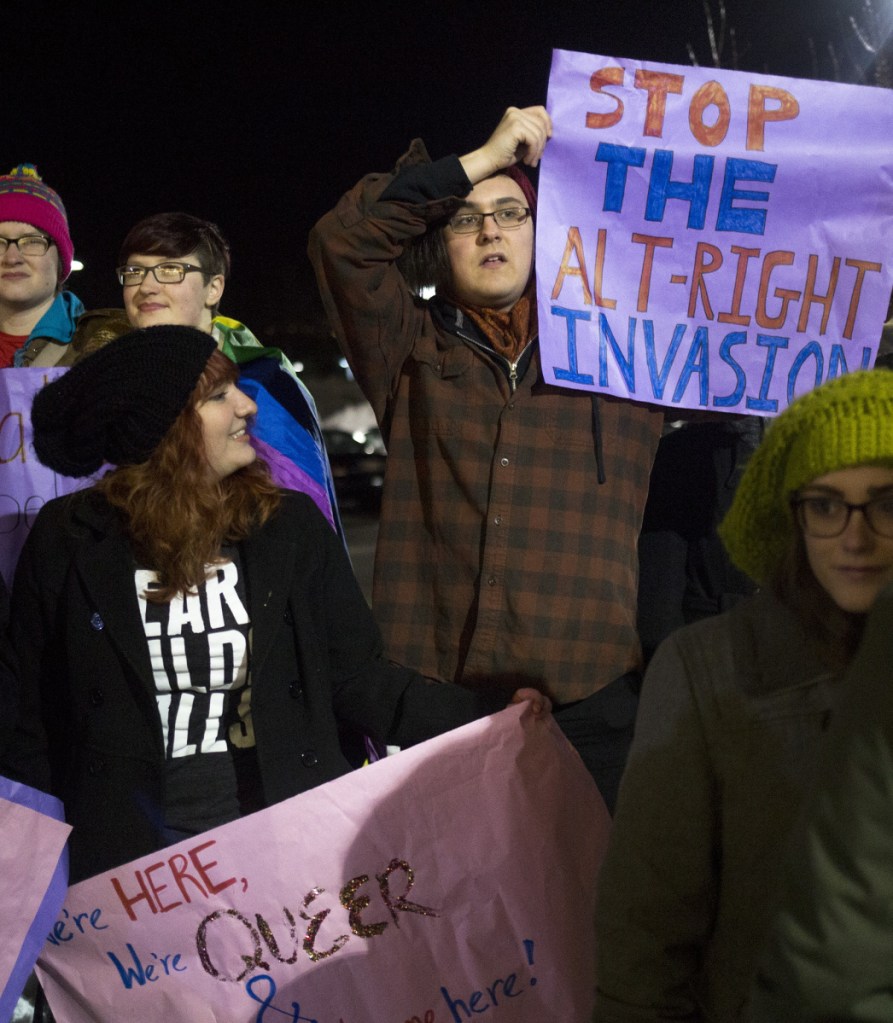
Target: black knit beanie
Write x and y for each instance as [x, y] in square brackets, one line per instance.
[117, 404]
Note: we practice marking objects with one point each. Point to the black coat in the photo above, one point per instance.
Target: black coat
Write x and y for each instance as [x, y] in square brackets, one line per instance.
[88, 728]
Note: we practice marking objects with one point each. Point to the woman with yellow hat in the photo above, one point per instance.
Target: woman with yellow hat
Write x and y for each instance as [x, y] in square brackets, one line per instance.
[734, 710]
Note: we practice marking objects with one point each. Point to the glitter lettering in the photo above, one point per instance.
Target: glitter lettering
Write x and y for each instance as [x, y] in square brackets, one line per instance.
[231, 947]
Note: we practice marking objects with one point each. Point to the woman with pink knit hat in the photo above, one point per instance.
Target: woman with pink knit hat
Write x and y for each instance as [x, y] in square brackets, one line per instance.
[40, 324]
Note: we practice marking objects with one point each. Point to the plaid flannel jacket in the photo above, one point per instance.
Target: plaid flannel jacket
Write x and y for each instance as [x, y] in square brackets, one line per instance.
[501, 559]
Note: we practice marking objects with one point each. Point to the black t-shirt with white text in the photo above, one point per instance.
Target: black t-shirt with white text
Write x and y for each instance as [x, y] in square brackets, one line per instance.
[199, 646]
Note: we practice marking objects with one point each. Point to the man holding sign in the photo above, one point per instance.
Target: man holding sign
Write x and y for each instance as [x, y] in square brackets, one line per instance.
[511, 509]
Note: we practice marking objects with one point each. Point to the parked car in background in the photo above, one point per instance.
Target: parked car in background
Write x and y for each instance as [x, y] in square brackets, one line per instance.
[358, 463]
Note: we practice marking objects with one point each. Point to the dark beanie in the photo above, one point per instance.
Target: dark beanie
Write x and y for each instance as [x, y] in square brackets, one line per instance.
[117, 404]
[519, 176]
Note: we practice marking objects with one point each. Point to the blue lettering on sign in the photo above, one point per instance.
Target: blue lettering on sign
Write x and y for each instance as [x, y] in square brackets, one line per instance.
[662, 187]
[618, 159]
[493, 995]
[697, 361]
[255, 990]
[814, 351]
[571, 375]
[141, 974]
[659, 378]
[737, 218]
[695, 192]
[626, 364]
[480, 1001]
[763, 403]
[736, 337]
[68, 926]
[806, 368]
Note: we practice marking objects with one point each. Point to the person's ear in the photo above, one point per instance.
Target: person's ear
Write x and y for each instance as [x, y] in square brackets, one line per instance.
[215, 290]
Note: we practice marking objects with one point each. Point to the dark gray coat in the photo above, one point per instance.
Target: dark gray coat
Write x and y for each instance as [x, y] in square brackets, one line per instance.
[728, 739]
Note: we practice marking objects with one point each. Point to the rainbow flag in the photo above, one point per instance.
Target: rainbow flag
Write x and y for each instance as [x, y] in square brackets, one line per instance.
[286, 432]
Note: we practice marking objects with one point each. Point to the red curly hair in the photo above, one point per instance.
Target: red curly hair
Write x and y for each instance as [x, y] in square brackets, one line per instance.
[176, 513]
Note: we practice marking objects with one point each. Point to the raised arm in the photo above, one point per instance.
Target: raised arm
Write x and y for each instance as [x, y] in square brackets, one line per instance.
[520, 137]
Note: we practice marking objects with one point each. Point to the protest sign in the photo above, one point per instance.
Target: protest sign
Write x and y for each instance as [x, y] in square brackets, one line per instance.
[711, 239]
[33, 879]
[25, 484]
[452, 881]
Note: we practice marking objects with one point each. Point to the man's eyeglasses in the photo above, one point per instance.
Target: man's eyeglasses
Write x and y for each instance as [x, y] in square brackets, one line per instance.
[28, 244]
[827, 517]
[164, 273]
[508, 218]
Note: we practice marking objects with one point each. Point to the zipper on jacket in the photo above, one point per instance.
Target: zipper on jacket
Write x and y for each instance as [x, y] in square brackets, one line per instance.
[511, 368]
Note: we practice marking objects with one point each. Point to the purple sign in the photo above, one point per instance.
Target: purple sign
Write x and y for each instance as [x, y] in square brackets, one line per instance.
[25, 484]
[711, 239]
[33, 881]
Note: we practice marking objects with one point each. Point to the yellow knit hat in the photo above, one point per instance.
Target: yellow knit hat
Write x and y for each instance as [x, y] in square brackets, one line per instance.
[847, 421]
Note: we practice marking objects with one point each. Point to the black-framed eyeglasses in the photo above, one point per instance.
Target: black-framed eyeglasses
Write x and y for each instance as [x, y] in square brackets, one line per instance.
[28, 244]
[165, 273]
[827, 517]
[508, 218]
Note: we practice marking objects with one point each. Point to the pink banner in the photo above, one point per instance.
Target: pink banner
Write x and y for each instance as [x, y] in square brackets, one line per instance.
[33, 877]
[25, 484]
[450, 882]
[711, 239]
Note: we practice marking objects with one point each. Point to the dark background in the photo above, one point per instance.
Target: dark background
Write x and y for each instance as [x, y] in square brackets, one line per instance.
[259, 116]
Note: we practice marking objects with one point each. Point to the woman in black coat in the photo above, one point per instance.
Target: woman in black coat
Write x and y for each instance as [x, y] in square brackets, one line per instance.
[185, 636]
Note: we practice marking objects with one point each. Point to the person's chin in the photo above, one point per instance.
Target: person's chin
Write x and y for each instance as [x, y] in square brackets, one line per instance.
[859, 599]
[155, 318]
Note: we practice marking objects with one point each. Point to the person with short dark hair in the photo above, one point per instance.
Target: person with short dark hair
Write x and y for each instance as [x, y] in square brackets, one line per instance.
[188, 251]
[173, 269]
[734, 711]
[511, 508]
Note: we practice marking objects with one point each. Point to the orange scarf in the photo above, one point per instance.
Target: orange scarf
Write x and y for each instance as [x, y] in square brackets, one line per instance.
[509, 333]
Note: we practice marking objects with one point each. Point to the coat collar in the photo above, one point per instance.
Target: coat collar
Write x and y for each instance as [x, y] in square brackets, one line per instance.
[106, 566]
[773, 650]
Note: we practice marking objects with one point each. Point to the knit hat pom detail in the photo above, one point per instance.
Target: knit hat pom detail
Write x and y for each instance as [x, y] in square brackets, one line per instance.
[25, 198]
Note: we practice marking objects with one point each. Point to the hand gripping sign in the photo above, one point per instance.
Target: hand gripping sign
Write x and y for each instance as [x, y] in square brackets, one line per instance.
[711, 239]
[452, 882]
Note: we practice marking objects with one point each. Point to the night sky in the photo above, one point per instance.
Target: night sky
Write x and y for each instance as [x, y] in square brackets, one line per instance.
[258, 116]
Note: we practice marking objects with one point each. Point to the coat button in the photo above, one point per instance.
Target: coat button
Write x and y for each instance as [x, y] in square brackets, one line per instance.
[309, 758]
[295, 690]
[97, 766]
[96, 621]
[288, 618]
[97, 697]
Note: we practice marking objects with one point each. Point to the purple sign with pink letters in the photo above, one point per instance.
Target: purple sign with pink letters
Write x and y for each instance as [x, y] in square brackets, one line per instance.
[708, 239]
